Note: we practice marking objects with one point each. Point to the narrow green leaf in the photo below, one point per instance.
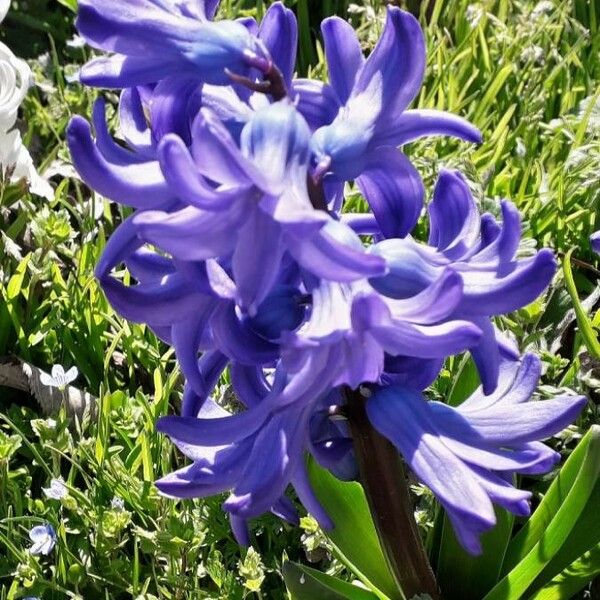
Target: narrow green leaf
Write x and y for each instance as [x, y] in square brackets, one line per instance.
[585, 326]
[535, 527]
[465, 577]
[573, 579]
[354, 537]
[304, 583]
[570, 529]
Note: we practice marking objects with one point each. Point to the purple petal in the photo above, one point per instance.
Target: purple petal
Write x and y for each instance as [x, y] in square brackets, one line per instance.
[121, 244]
[187, 336]
[191, 233]
[394, 190]
[486, 355]
[414, 124]
[160, 304]
[517, 381]
[214, 431]
[140, 185]
[132, 122]
[395, 67]
[238, 341]
[316, 101]
[256, 259]
[181, 173]
[249, 384]
[494, 293]
[402, 416]
[279, 32]
[275, 455]
[120, 71]
[434, 304]
[147, 266]
[344, 55]
[209, 367]
[413, 373]
[453, 216]
[412, 268]
[506, 425]
[216, 153]
[505, 245]
[309, 499]
[175, 101]
[106, 144]
[336, 253]
[361, 223]
[426, 341]
[277, 142]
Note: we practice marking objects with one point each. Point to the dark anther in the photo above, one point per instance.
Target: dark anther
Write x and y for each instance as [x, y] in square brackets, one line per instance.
[272, 84]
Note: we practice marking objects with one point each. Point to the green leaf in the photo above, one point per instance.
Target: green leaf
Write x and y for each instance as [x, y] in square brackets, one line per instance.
[572, 579]
[304, 583]
[462, 576]
[353, 537]
[563, 527]
[70, 4]
[585, 325]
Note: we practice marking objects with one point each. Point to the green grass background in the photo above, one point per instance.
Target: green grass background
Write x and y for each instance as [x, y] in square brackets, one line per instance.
[527, 73]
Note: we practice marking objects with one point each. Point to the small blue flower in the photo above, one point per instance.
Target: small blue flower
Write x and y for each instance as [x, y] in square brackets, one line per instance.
[595, 242]
[117, 504]
[57, 490]
[43, 538]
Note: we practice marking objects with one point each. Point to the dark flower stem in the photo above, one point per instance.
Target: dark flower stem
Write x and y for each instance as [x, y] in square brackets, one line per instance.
[384, 481]
[383, 478]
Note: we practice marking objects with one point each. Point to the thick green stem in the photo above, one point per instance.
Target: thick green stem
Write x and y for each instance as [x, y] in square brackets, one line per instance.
[383, 478]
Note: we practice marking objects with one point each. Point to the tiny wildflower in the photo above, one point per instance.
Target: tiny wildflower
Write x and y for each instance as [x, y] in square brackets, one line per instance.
[117, 503]
[43, 538]
[59, 379]
[57, 490]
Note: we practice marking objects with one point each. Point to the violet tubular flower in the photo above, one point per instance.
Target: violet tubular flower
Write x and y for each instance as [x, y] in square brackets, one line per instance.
[467, 454]
[151, 40]
[369, 99]
[482, 252]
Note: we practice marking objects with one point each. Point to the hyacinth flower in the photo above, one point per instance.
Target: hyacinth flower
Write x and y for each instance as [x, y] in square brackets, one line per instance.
[368, 99]
[467, 455]
[239, 261]
[151, 40]
[260, 210]
[484, 254]
[363, 326]
[255, 454]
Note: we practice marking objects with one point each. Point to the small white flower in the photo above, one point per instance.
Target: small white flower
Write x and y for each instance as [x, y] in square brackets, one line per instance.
[117, 504]
[43, 538]
[59, 379]
[57, 490]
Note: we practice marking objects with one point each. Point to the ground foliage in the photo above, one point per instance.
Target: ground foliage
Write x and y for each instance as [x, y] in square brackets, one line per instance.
[526, 73]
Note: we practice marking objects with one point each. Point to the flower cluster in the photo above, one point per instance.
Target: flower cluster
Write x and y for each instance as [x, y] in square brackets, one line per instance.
[15, 80]
[241, 257]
